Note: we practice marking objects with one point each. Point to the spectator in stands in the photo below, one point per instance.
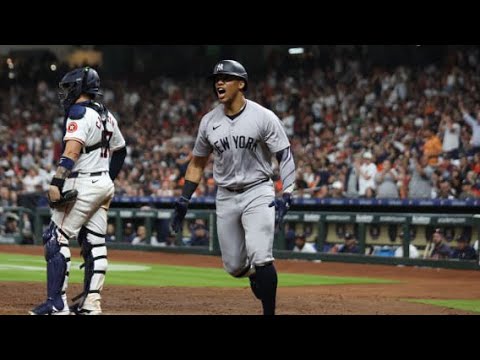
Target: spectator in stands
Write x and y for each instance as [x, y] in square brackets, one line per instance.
[432, 147]
[141, 238]
[445, 190]
[33, 182]
[335, 191]
[301, 245]
[420, 186]
[166, 189]
[440, 249]
[474, 125]
[5, 197]
[412, 249]
[386, 181]
[11, 224]
[367, 172]
[199, 233]
[184, 157]
[301, 185]
[463, 251]
[129, 232]
[352, 177]
[350, 245]
[467, 191]
[379, 112]
[451, 136]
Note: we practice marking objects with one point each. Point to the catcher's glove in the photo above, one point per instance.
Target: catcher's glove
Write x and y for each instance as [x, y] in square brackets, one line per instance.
[66, 198]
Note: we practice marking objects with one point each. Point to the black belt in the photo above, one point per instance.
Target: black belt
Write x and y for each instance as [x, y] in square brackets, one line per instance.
[76, 174]
[242, 190]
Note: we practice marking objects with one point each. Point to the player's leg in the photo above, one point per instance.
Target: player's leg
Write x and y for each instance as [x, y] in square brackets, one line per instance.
[231, 236]
[57, 255]
[65, 225]
[94, 253]
[69, 221]
[258, 220]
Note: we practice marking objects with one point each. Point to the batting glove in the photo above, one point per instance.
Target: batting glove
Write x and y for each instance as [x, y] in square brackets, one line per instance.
[181, 207]
[282, 206]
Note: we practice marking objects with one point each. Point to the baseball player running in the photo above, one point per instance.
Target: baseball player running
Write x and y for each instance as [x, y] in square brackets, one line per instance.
[243, 137]
[80, 194]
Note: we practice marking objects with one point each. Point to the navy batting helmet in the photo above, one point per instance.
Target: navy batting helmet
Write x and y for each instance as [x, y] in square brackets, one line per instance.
[79, 81]
[230, 67]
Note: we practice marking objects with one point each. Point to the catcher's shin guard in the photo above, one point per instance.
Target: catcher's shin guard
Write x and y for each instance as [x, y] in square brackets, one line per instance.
[57, 255]
[94, 252]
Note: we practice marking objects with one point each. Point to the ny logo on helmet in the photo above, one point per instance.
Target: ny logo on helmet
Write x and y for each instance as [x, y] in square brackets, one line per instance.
[219, 67]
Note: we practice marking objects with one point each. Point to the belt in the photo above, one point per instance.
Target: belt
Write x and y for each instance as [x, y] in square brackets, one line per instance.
[242, 190]
[80, 174]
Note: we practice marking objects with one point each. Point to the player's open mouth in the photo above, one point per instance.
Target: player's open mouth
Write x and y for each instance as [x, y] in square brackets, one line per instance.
[221, 92]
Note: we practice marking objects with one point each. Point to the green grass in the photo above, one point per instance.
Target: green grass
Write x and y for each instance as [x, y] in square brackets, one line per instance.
[14, 267]
[467, 305]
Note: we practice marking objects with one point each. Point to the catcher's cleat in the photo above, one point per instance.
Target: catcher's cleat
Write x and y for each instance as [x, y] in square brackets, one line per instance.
[90, 306]
[81, 311]
[51, 307]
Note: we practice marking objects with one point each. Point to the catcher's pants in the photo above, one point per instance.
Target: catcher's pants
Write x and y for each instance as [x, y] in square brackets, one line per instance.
[90, 209]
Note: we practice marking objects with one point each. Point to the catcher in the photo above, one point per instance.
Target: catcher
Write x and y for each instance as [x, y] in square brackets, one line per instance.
[80, 194]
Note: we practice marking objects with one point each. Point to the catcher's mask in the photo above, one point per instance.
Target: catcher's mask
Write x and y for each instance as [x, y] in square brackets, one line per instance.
[79, 81]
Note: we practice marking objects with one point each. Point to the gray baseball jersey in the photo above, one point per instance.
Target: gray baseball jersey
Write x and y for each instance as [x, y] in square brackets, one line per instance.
[242, 147]
[243, 150]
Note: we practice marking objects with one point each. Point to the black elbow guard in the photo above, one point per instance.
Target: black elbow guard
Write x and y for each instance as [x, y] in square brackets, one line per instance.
[116, 163]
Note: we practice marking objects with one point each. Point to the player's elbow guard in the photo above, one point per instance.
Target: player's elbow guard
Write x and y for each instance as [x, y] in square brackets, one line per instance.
[116, 163]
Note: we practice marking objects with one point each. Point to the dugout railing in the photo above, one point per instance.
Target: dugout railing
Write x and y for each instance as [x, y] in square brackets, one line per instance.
[378, 234]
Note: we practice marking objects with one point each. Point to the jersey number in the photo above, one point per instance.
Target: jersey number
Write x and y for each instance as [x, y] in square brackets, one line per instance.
[106, 136]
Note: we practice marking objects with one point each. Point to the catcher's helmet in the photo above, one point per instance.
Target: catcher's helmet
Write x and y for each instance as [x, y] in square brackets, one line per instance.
[79, 81]
[230, 67]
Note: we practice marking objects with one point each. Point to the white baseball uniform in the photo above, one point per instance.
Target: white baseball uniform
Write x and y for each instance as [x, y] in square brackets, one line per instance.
[95, 188]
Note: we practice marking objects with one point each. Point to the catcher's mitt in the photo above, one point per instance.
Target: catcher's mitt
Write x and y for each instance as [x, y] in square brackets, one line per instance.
[68, 197]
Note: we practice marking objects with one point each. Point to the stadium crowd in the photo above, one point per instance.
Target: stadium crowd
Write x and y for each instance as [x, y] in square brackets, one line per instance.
[405, 132]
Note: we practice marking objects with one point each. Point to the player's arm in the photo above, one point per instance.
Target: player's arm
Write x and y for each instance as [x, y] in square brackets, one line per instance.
[287, 174]
[286, 165]
[116, 162]
[118, 148]
[201, 152]
[277, 141]
[193, 176]
[65, 166]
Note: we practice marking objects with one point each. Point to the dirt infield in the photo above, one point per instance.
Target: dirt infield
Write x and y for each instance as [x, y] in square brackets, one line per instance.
[385, 299]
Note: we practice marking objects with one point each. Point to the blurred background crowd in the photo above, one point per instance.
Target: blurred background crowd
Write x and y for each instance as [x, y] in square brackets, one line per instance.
[357, 128]
[362, 122]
